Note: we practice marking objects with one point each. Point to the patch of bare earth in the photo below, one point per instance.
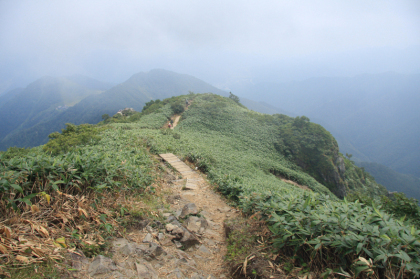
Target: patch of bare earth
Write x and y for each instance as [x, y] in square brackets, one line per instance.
[296, 184]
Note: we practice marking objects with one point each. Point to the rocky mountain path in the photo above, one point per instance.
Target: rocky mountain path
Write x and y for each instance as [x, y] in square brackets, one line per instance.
[188, 243]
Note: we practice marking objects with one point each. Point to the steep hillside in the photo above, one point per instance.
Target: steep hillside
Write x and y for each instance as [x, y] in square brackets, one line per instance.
[41, 101]
[377, 114]
[392, 180]
[9, 95]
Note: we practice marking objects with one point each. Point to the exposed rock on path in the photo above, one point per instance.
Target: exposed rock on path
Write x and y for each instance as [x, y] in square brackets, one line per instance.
[190, 243]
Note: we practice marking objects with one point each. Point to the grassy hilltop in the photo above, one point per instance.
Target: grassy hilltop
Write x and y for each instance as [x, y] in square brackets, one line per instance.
[288, 170]
[254, 150]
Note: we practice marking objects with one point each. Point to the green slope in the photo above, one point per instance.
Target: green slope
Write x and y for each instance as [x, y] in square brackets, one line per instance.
[264, 148]
[133, 93]
[245, 154]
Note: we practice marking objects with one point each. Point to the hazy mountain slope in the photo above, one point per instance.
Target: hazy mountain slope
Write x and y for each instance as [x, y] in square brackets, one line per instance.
[90, 82]
[392, 180]
[134, 93]
[377, 114]
[24, 108]
[9, 95]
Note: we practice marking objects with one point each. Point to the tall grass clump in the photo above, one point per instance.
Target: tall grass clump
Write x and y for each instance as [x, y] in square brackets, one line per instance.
[115, 162]
[347, 237]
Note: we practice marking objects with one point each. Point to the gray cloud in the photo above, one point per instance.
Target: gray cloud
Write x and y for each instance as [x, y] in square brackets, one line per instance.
[114, 39]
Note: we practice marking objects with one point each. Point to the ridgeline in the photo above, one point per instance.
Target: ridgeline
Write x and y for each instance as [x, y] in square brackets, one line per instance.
[306, 209]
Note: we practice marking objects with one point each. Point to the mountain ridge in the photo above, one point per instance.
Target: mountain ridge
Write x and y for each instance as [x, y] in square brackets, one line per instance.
[135, 92]
[139, 89]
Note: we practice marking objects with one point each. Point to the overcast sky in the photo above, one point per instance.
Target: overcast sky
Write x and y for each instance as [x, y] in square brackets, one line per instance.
[218, 41]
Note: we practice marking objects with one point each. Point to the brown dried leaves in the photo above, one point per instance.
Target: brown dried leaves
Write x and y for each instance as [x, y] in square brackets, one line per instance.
[42, 230]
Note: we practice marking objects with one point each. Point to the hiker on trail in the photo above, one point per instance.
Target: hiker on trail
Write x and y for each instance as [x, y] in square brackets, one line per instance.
[172, 121]
[169, 125]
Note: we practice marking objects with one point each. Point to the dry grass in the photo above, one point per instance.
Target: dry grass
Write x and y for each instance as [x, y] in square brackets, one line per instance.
[43, 232]
[249, 254]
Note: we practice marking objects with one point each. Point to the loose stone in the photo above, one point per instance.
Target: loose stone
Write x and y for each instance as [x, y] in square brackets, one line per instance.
[189, 209]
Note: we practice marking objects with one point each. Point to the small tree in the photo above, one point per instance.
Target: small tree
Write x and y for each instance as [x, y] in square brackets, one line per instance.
[234, 98]
[177, 108]
[105, 117]
[301, 122]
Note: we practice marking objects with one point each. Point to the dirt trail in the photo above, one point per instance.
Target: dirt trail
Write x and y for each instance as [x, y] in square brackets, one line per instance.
[194, 188]
[190, 243]
[176, 120]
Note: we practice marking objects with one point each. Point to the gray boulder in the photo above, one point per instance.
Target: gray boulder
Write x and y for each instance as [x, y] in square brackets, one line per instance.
[189, 209]
[101, 265]
[146, 271]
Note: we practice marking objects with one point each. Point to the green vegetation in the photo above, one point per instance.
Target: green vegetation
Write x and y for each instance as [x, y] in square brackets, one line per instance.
[312, 148]
[346, 235]
[248, 151]
[162, 111]
[91, 168]
[245, 153]
[177, 107]
[396, 204]
[72, 137]
[15, 152]
[234, 98]
[248, 156]
[50, 270]
[360, 181]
